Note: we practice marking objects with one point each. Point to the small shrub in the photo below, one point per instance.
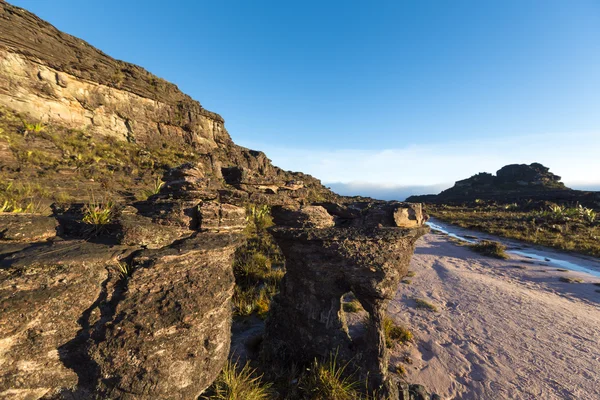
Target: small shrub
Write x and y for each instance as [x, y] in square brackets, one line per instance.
[35, 128]
[239, 384]
[263, 304]
[411, 274]
[244, 301]
[329, 380]
[98, 213]
[490, 248]
[155, 189]
[426, 305]
[258, 218]
[394, 333]
[406, 281]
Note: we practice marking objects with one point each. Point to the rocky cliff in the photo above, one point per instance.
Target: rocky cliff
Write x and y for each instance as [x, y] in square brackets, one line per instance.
[64, 84]
[110, 289]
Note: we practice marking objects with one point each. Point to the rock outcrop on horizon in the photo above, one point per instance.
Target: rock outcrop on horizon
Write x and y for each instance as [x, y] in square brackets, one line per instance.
[132, 298]
[512, 183]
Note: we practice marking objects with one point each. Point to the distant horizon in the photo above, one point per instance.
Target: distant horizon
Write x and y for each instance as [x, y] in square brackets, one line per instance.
[374, 99]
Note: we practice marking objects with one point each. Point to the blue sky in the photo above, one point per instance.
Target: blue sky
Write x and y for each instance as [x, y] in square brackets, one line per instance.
[374, 97]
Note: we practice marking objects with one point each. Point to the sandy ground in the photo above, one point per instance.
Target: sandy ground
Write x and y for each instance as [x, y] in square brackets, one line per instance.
[504, 329]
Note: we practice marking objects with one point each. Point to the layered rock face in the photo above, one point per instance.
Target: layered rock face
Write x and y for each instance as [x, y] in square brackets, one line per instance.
[330, 250]
[59, 79]
[55, 77]
[148, 318]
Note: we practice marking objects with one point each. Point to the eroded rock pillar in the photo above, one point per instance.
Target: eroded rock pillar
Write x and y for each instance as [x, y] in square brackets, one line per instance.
[331, 250]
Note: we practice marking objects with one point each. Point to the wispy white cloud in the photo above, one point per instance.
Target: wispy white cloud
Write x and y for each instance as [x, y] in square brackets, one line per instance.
[575, 157]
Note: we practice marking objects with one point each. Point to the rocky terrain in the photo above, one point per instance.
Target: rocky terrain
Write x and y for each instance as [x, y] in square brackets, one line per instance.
[525, 202]
[126, 208]
[512, 183]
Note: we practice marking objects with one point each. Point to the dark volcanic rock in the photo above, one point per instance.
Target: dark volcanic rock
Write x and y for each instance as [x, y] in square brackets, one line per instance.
[325, 260]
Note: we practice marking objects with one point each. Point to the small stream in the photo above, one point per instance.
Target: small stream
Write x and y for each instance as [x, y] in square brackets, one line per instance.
[546, 256]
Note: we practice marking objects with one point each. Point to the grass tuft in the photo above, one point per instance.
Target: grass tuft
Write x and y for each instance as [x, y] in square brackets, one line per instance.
[239, 384]
[352, 306]
[421, 303]
[125, 270]
[98, 213]
[490, 248]
[394, 333]
[35, 128]
[400, 369]
[329, 380]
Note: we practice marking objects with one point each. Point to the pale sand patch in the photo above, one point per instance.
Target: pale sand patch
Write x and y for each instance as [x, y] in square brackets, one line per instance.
[505, 329]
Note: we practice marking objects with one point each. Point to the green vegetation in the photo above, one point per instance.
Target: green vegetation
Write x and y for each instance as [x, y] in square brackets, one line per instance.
[329, 381]
[239, 384]
[62, 164]
[490, 248]
[565, 227]
[154, 189]
[395, 333]
[258, 265]
[18, 198]
[98, 213]
[421, 303]
[400, 369]
[125, 270]
[406, 281]
[411, 274]
[35, 128]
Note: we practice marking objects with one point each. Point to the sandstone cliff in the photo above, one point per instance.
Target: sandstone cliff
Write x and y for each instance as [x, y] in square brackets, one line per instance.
[55, 79]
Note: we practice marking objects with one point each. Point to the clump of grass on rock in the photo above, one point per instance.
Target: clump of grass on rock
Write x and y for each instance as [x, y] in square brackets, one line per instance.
[239, 384]
[329, 380]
